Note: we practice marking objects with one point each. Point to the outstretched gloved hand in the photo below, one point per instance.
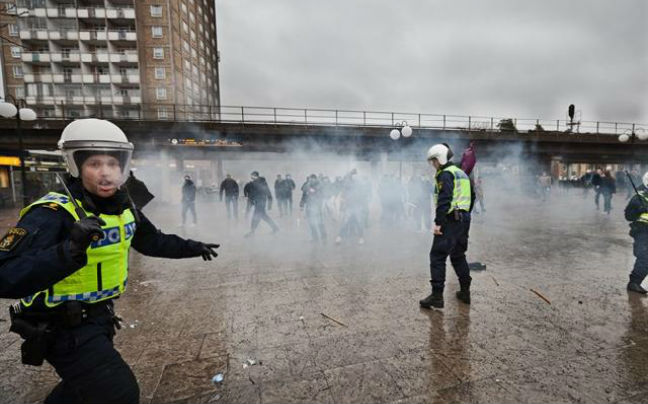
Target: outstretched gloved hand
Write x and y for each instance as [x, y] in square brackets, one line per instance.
[209, 251]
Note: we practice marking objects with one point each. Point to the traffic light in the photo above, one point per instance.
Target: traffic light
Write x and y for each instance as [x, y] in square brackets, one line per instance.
[571, 112]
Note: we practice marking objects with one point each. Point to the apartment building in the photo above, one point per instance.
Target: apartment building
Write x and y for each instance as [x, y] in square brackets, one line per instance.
[153, 59]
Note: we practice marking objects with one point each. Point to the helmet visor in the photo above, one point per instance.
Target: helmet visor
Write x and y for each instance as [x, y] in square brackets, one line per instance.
[109, 165]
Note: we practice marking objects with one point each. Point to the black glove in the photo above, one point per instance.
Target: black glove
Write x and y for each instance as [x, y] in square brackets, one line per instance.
[208, 250]
[84, 232]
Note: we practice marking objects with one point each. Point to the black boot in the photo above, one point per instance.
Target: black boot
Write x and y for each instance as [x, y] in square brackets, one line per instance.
[464, 293]
[635, 287]
[434, 300]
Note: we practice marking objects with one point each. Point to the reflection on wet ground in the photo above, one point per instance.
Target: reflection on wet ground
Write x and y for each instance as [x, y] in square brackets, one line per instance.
[262, 300]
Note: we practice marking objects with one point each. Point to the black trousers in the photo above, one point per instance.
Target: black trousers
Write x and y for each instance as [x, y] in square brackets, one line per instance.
[231, 203]
[454, 243]
[640, 250]
[261, 214]
[188, 206]
[91, 369]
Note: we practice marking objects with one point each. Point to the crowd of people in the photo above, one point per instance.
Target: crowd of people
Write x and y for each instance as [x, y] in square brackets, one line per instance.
[343, 202]
[602, 182]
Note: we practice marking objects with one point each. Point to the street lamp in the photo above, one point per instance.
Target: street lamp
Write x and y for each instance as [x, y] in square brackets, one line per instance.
[402, 128]
[632, 135]
[18, 108]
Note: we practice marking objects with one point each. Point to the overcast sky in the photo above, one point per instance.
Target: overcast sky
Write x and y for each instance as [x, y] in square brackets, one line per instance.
[523, 59]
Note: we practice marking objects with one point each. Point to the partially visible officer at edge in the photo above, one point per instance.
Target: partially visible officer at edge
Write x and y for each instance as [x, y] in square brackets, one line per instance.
[68, 265]
[453, 200]
[637, 213]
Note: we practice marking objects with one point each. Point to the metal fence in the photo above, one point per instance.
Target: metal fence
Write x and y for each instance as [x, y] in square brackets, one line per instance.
[329, 117]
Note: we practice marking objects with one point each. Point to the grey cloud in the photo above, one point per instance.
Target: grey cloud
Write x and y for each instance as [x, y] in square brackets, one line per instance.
[503, 58]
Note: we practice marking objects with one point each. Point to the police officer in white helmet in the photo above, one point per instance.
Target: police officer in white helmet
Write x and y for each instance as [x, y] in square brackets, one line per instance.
[637, 214]
[453, 200]
[67, 260]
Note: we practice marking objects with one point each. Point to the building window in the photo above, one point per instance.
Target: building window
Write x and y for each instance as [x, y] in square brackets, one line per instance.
[157, 32]
[20, 92]
[156, 11]
[163, 113]
[18, 72]
[160, 73]
[160, 93]
[13, 30]
[15, 52]
[158, 53]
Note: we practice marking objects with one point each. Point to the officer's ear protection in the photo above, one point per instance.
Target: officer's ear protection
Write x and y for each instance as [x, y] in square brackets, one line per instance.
[450, 153]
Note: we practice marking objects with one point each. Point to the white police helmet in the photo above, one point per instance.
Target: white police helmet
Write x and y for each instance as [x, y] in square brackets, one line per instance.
[439, 152]
[85, 137]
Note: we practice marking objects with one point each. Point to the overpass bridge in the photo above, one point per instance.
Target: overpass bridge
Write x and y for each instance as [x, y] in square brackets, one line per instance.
[195, 132]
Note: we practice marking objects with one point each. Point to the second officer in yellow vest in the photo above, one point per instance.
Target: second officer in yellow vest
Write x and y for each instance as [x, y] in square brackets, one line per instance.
[637, 213]
[453, 201]
[67, 262]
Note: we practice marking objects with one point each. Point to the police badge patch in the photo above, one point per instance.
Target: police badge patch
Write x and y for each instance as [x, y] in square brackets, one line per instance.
[12, 238]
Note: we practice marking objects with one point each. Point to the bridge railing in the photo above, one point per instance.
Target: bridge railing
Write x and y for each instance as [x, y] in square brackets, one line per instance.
[332, 117]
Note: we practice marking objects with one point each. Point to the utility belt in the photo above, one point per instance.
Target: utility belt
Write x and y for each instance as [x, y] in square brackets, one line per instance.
[458, 216]
[38, 328]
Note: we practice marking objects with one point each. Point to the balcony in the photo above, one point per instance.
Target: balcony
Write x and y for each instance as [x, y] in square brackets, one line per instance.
[52, 12]
[30, 34]
[36, 57]
[104, 78]
[122, 36]
[38, 78]
[132, 78]
[74, 78]
[39, 12]
[102, 57]
[121, 13]
[58, 78]
[124, 57]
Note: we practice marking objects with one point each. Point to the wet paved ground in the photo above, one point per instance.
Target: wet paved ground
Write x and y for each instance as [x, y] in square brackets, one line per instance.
[262, 299]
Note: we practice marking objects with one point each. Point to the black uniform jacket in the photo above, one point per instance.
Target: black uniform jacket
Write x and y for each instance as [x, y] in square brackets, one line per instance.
[637, 206]
[35, 254]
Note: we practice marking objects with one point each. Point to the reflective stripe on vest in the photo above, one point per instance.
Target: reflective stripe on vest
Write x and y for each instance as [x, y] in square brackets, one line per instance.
[461, 190]
[644, 216]
[106, 273]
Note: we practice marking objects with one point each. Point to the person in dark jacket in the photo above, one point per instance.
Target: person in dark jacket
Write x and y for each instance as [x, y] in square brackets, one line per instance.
[607, 188]
[312, 202]
[280, 195]
[260, 197]
[636, 212]
[289, 186]
[67, 264]
[596, 184]
[188, 199]
[248, 202]
[231, 190]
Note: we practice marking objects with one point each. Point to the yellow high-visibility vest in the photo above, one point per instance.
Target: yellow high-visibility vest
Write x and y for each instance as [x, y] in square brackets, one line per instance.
[461, 192]
[106, 273]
